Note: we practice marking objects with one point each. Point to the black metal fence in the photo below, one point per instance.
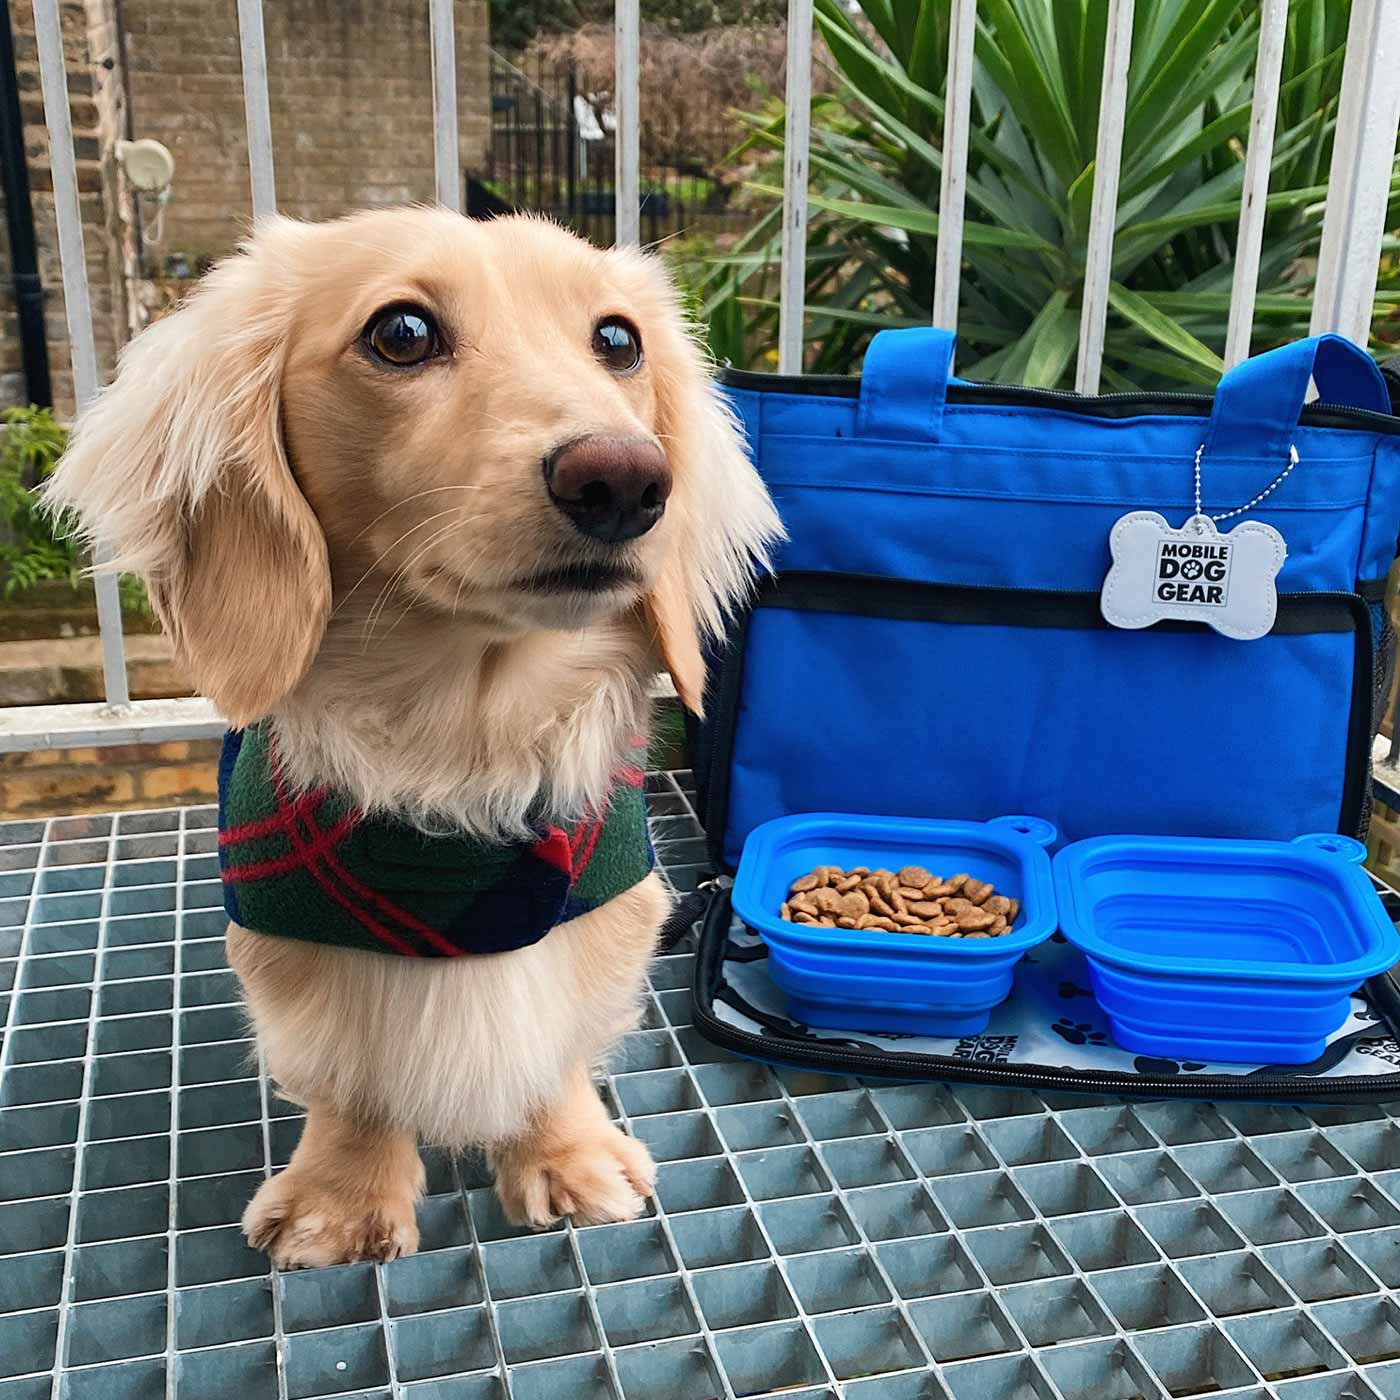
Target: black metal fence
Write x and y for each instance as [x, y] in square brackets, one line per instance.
[552, 151]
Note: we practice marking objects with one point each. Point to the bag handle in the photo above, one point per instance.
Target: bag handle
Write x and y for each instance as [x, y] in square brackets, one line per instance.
[904, 383]
[1258, 402]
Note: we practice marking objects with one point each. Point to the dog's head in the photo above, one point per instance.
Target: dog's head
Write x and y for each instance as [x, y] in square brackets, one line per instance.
[493, 422]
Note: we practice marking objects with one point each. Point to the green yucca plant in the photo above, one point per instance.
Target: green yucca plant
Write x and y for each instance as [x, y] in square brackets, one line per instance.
[876, 167]
[36, 549]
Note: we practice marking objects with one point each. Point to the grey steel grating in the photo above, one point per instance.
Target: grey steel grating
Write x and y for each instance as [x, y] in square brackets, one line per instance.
[812, 1236]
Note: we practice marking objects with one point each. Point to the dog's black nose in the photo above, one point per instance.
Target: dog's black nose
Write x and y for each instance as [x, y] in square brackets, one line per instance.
[611, 488]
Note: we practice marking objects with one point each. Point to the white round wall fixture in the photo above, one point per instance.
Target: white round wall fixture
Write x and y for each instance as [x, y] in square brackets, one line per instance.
[148, 164]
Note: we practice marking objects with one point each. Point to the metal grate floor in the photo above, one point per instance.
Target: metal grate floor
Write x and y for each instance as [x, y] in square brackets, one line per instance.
[811, 1237]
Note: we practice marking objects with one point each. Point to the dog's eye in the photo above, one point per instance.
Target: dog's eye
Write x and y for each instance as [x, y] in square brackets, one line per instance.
[403, 336]
[617, 344]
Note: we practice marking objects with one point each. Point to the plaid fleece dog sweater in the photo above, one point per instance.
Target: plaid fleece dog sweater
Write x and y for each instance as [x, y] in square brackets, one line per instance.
[309, 865]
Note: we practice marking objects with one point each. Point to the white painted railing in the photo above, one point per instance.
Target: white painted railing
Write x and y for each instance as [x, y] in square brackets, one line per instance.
[1349, 257]
[1103, 211]
[1268, 69]
[627, 112]
[798, 136]
[81, 338]
[1362, 152]
[952, 188]
[255, 104]
[447, 162]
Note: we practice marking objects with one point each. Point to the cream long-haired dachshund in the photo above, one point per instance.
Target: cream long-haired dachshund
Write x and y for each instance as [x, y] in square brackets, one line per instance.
[422, 503]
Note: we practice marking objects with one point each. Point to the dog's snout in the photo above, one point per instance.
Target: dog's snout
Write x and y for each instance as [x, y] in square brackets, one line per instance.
[611, 488]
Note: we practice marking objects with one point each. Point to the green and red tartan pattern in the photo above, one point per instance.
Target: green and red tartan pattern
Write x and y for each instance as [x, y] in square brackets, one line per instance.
[309, 865]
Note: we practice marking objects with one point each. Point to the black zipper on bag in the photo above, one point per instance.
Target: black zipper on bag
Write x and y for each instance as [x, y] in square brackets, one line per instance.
[972, 605]
[1135, 404]
[815, 1055]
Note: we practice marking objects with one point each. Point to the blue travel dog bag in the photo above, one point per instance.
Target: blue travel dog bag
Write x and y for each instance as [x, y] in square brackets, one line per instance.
[931, 644]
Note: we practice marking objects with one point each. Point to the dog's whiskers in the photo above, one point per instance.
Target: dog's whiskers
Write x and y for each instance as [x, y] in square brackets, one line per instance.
[381, 602]
[384, 554]
[457, 597]
[416, 496]
[385, 593]
[382, 599]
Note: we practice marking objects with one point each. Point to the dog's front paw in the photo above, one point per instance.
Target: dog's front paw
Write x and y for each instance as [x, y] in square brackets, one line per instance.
[303, 1225]
[597, 1179]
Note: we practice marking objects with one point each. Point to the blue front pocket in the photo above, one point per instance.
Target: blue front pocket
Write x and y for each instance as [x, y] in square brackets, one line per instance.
[923, 700]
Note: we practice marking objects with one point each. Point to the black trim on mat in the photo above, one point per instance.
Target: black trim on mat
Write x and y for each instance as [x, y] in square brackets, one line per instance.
[869, 596]
[834, 1055]
[1111, 406]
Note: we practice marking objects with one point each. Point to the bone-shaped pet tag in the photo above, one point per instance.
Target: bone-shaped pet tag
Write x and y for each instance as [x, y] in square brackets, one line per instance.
[1194, 574]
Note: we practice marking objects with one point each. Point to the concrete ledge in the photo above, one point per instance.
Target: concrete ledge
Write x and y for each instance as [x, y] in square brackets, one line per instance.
[67, 670]
[27, 728]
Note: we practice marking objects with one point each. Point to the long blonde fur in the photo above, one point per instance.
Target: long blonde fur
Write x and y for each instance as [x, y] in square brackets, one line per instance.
[337, 547]
[464, 1052]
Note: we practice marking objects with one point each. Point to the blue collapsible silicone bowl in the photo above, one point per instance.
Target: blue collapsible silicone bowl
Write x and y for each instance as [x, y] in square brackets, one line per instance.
[865, 980]
[1210, 949]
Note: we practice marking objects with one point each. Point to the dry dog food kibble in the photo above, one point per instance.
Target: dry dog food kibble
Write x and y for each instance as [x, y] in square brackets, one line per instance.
[907, 901]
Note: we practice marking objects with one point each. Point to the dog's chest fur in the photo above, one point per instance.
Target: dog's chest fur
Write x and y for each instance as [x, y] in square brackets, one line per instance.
[457, 1051]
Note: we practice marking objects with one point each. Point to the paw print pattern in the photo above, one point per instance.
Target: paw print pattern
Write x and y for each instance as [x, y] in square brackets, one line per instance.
[1070, 990]
[1150, 1064]
[1078, 1032]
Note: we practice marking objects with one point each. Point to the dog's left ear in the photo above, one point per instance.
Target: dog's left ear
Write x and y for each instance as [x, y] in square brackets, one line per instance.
[671, 617]
[179, 470]
[719, 520]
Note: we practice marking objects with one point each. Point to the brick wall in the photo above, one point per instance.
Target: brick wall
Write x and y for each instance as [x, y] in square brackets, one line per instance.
[107, 780]
[350, 86]
[94, 97]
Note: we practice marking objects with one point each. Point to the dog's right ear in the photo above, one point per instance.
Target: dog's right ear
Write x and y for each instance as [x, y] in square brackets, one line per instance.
[179, 472]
